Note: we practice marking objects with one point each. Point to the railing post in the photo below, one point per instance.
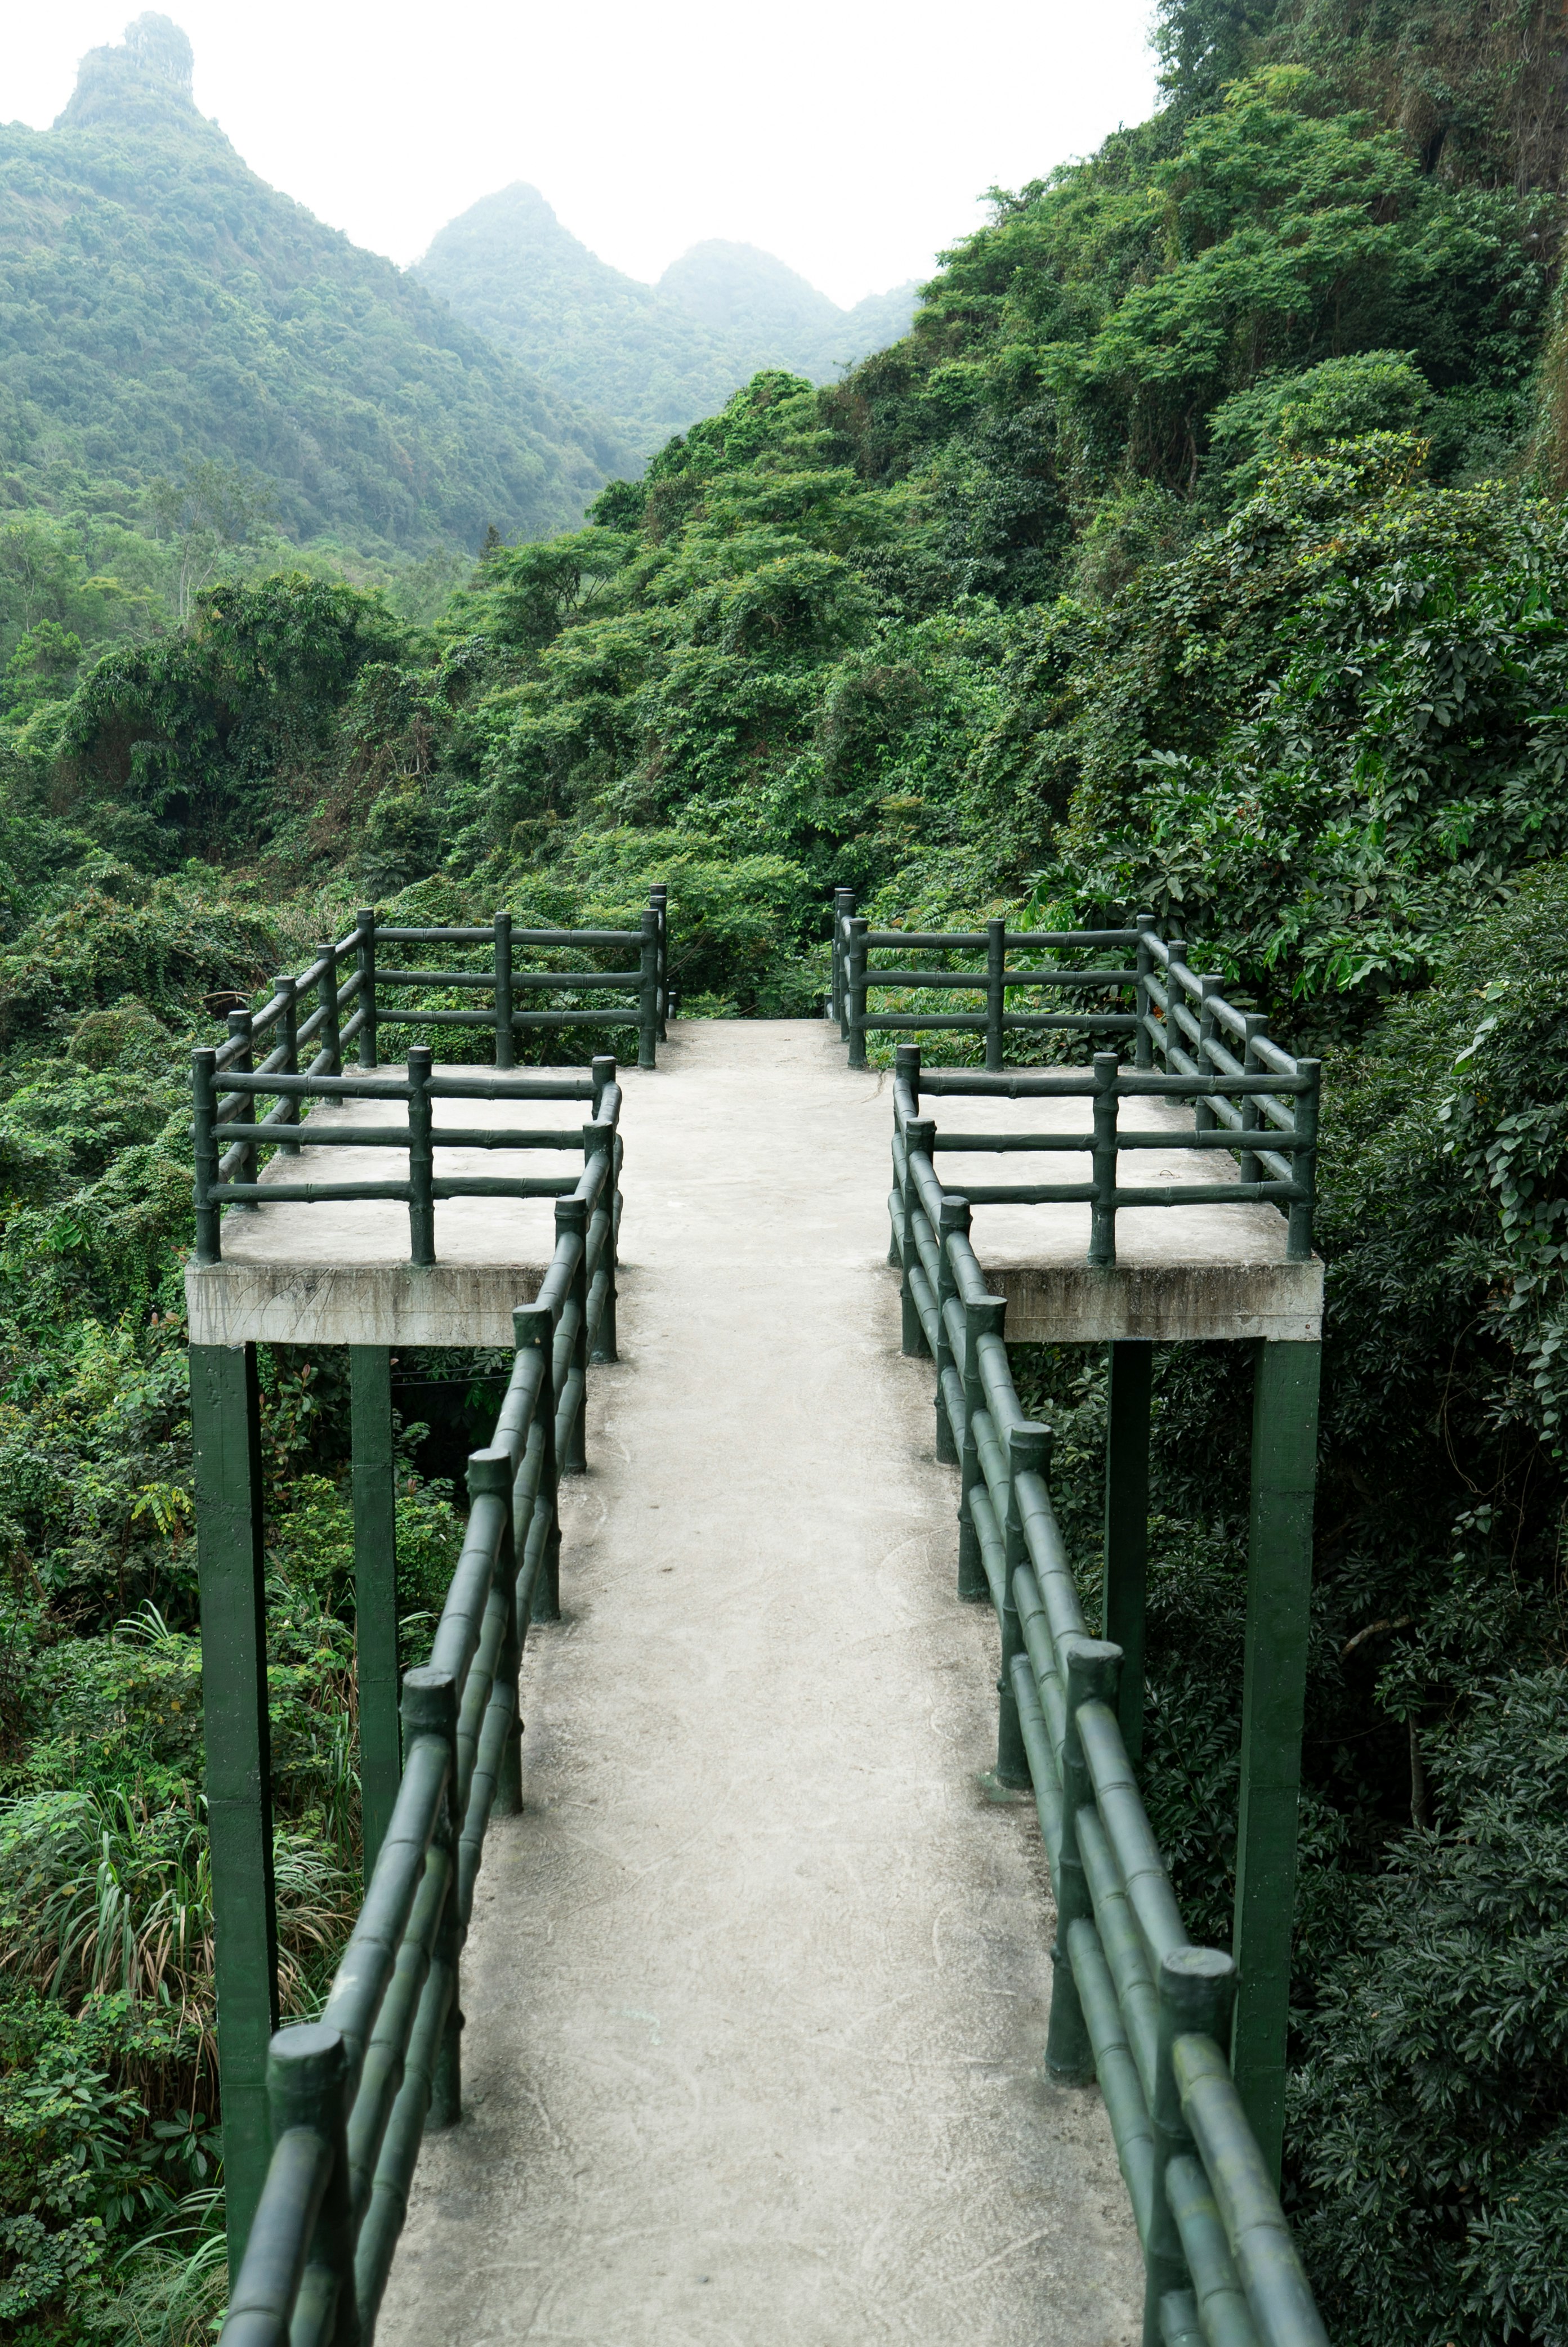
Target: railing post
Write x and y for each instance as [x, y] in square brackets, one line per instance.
[326, 995]
[491, 1471]
[648, 994]
[659, 898]
[239, 1024]
[919, 1140]
[1203, 1117]
[598, 1139]
[855, 977]
[1304, 1162]
[533, 1325]
[204, 1125]
[571, 1216]
[1129, 1372]
[1194, 1988]
[364, 962]
[842, 912]
[954, 1218]
[1274, 1692]
[996, 995]
[1102, 1211]
[1143, 1043]
[430, 1709]
[1247, 1168]
[981, 1319]
[1028, 1452]
[226, 1437]
[308, 2086]
[1088, 1667]
[374, 1591]
[506, 1051]
[285, 988]
[421, 1159]
[1176, 951]
[906, 1070]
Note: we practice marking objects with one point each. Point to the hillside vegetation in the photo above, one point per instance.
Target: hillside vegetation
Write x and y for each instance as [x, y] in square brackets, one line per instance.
[160, 306]
[1200, 549]
[653, 358]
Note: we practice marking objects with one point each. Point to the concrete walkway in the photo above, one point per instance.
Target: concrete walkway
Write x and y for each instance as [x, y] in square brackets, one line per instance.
[757, 1984]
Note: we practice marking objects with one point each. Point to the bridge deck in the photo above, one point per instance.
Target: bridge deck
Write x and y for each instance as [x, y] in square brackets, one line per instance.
[757, 1983]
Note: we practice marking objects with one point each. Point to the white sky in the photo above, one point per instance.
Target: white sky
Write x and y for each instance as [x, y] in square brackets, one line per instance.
[851, 137]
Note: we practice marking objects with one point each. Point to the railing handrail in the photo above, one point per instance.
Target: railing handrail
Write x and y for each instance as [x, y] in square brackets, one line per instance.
[370, 932]
[230, 1179]
[1178, 1016]
[349, 2095]
[1134, 2003]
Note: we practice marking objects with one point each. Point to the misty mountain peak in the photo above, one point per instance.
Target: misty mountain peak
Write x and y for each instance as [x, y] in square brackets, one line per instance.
[738, 285]
[518, 214]
[149, 73]
[161, 51]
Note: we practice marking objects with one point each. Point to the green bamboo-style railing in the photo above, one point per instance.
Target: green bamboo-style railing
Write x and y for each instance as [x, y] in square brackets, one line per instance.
[1184, 1041]
[1134, 2003]
[229, 1083]
[351, 2095]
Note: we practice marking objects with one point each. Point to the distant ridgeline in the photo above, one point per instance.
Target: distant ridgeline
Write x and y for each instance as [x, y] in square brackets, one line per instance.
[159, 302]
[653, 358]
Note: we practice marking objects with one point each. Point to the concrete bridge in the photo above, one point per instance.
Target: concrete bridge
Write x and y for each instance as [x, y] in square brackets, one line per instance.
[758, 1976]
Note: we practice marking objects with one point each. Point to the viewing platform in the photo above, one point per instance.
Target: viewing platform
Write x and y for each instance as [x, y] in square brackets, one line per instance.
[753, 1993]
[337, 1272]
[1181, 1272]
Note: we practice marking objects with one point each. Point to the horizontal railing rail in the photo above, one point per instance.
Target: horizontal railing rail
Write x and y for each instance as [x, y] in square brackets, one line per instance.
[305, 1060]
[1134, 2003]
[227, 1175]
[1249, 1096]
[350, 976]
[352, 2095]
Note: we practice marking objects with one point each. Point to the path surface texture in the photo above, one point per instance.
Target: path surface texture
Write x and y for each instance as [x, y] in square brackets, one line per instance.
[757, 1984]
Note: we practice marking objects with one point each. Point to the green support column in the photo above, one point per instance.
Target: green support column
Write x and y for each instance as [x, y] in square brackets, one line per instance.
[375, 1593]
[1130, 1370]
[225, 1425]
[1279, 1588]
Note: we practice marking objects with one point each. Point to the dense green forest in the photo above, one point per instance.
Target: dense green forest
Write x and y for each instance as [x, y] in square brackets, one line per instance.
[653, 358]
[1200, 549]
[163, 308]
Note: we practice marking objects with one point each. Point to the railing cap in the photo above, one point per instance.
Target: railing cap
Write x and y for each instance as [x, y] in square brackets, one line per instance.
[489, 1469]
[1196, 1989]
[1093, 1668]
[532, 1325]
[307, 2069]
[429, 1703]
[1028, 1447]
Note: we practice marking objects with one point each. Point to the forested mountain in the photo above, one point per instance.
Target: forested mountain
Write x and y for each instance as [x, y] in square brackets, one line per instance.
[158, 303]
[1200, 549]
[652, 357]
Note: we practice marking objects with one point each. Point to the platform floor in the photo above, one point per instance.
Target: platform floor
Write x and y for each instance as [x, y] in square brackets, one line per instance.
[757, 1984]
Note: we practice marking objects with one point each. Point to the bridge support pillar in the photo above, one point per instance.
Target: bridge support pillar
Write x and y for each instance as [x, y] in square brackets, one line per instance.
[225, 1421]
[1130, 1371]
[375, 1593]
[1280, 1584]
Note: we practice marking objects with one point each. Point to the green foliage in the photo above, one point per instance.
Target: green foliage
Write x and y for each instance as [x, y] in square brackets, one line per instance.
[85, 2159]
[199, 732]
[1187, 555]
[1325, 731]
[163, 303]
[1429, 2104]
